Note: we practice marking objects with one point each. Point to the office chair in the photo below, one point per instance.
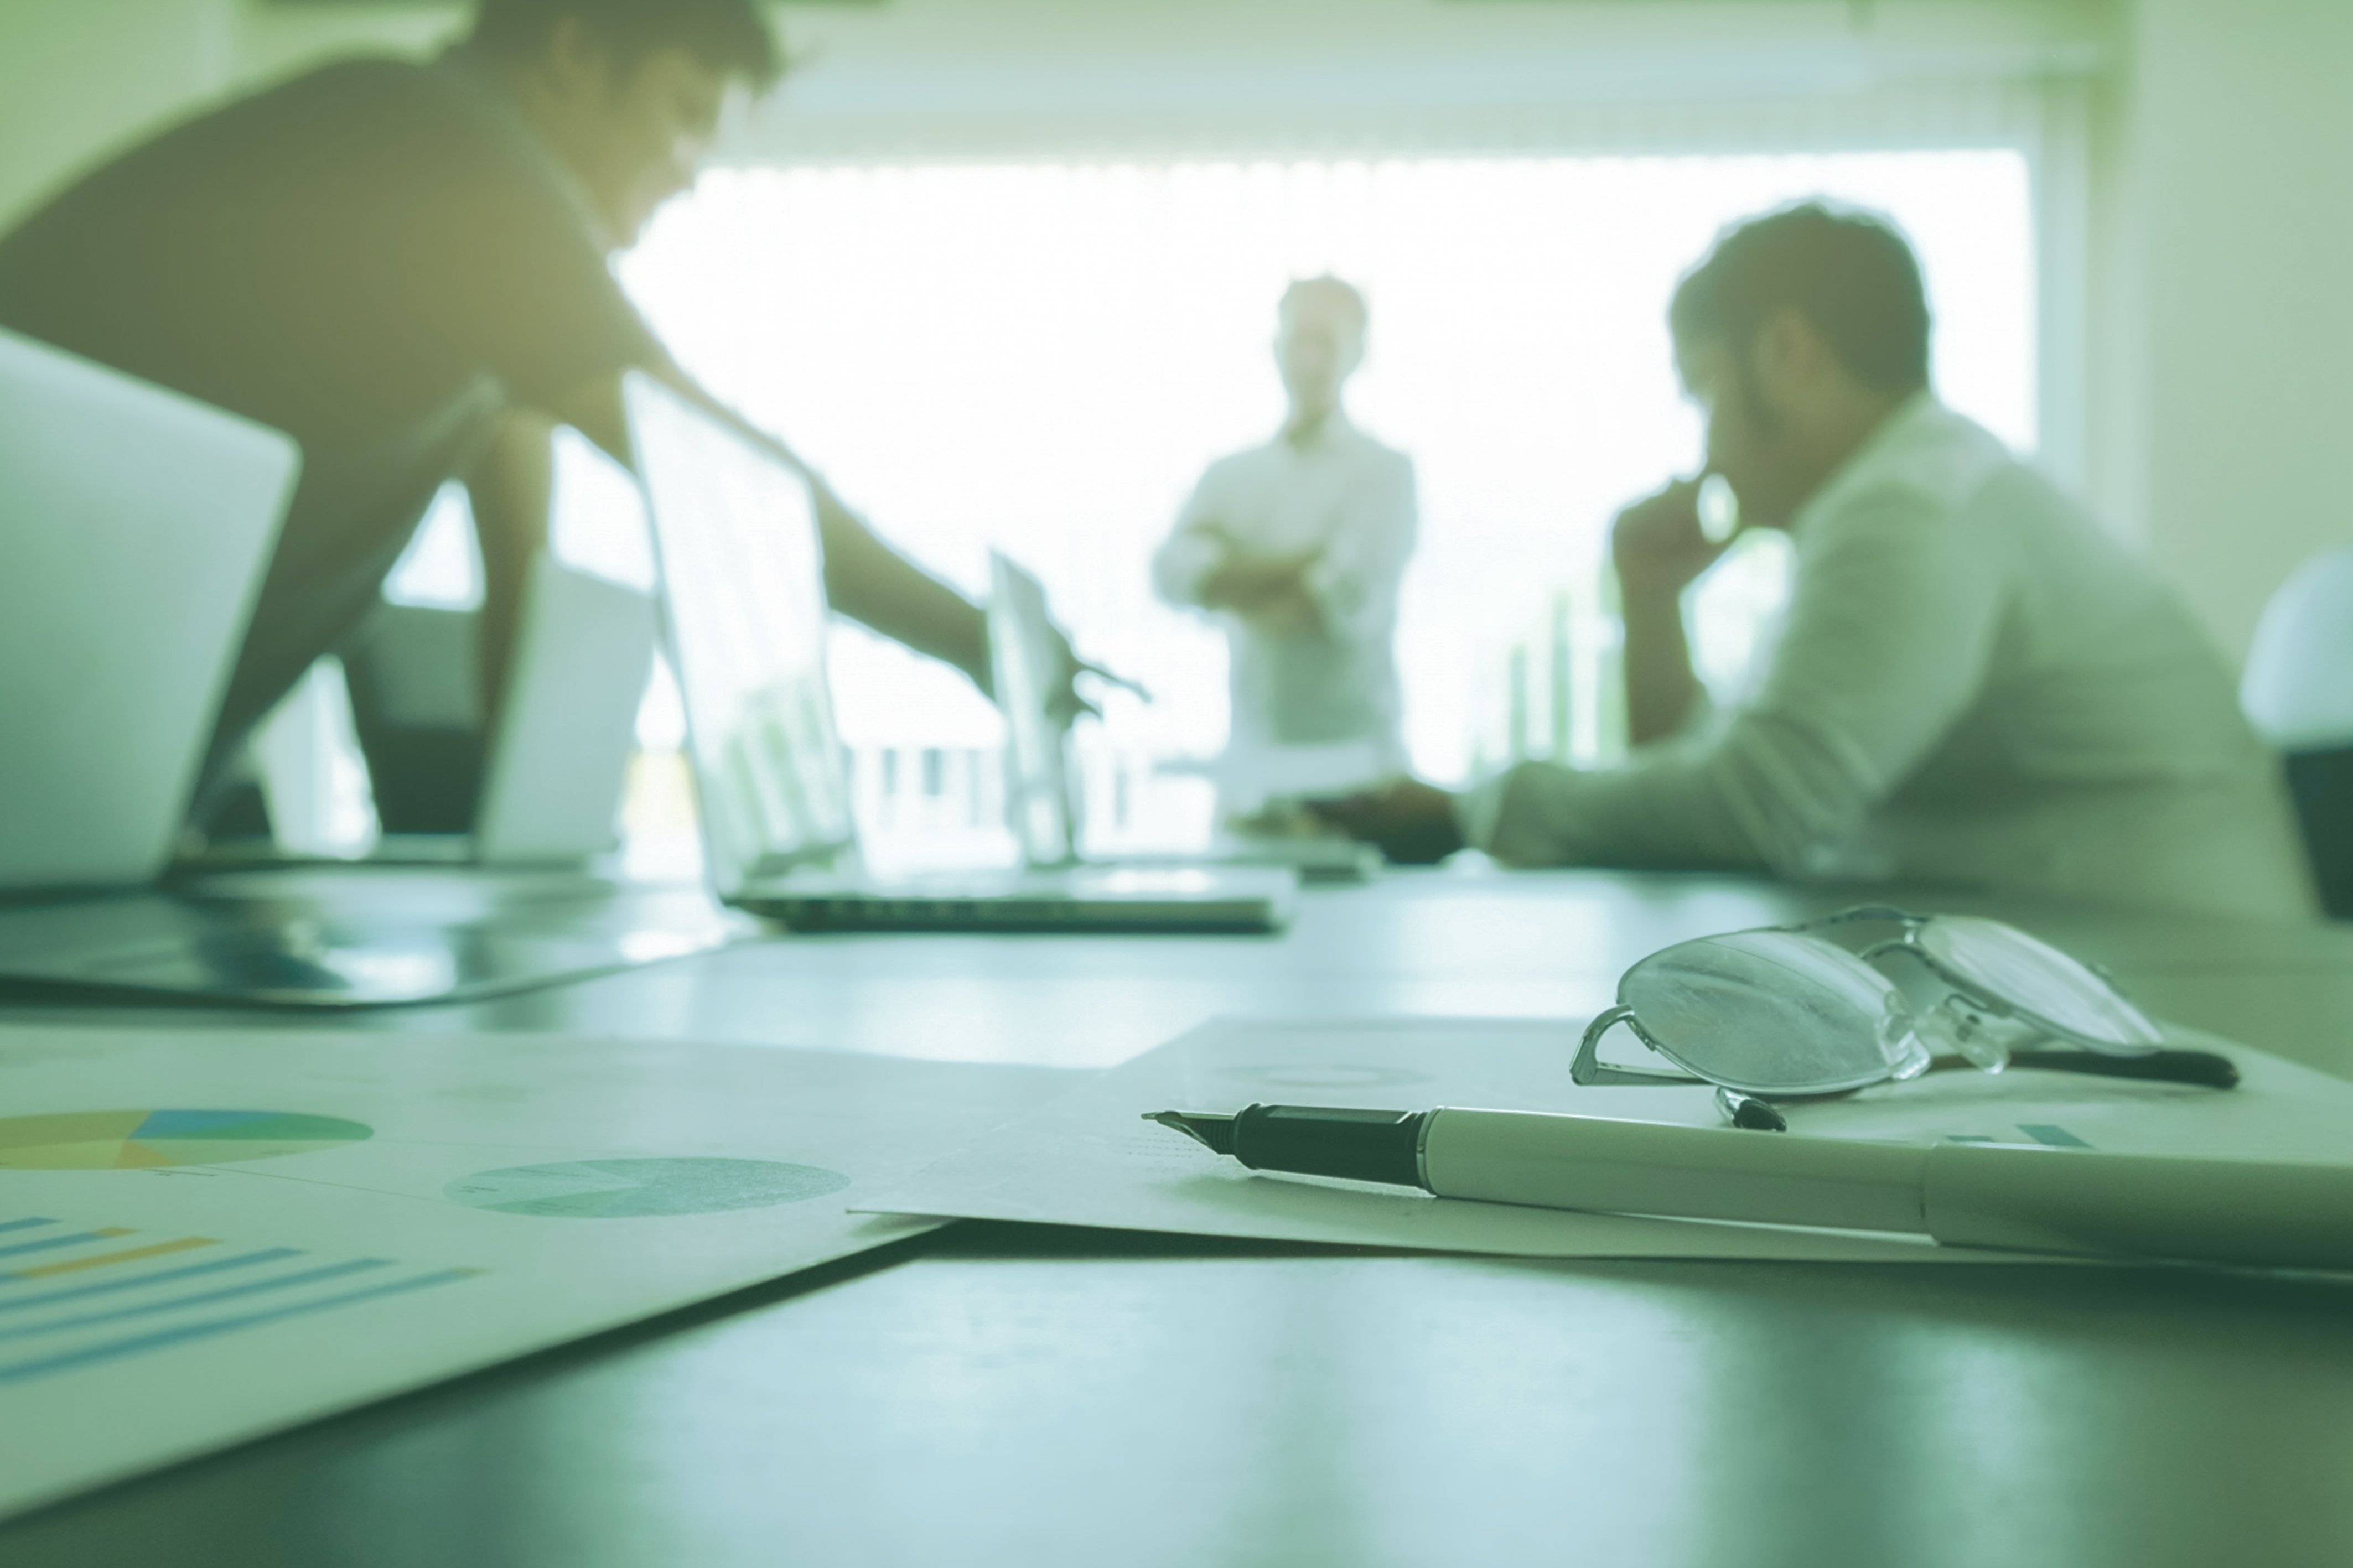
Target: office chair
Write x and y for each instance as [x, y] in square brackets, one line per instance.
[2299, 693]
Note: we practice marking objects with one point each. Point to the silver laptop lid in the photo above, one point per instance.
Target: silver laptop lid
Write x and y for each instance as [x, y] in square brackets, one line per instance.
[136, 525]
[559, 760]
[742, 594]
[1025, 661]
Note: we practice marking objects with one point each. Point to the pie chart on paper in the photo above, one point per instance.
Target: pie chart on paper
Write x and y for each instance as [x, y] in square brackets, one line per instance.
[643, 1189]
[147, 1140]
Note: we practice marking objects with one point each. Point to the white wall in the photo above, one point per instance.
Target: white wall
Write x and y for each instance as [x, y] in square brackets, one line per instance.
[2224, 375]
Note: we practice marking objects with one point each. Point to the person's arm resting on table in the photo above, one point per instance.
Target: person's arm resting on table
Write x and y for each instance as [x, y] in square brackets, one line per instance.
[1657, 548]
[1889, 631]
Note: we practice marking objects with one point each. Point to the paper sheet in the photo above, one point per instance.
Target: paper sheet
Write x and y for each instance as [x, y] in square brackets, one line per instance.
[1090, 1159]
[208, 1235]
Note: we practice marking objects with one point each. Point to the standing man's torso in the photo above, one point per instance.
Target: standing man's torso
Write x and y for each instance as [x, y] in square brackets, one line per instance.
[1287, 499]
[1346, 500]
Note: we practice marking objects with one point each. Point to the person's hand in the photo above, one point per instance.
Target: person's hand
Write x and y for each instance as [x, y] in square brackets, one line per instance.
[1411, 823]
[1268, 592]
[1290, 612]
[1658, 546]
[1068, 702]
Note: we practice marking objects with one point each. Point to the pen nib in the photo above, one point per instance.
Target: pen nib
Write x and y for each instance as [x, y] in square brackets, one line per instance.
[1214, 1133]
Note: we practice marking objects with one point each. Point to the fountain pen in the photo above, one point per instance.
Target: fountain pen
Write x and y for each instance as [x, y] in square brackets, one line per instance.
[2018, 1197]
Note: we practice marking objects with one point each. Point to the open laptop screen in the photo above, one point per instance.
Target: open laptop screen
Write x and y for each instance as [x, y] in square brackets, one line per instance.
[744, 599]
[1023, 657]
[135, 526]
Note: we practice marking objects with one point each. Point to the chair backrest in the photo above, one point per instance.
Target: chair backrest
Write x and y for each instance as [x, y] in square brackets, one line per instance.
[2298, 694]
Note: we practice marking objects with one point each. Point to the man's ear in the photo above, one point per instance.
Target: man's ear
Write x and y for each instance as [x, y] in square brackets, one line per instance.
[1786, 357]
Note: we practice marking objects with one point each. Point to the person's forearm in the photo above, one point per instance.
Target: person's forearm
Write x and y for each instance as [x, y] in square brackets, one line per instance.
[509, 490]
[1289, 613]
[1181, 566]
[865, 579]
[1660, 685]
[876, 586]
[1250, 582]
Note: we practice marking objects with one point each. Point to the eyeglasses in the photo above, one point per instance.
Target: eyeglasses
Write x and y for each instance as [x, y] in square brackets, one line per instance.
[1806, 1011]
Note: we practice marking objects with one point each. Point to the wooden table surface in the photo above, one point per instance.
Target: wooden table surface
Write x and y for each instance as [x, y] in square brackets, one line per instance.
[1030, 1396]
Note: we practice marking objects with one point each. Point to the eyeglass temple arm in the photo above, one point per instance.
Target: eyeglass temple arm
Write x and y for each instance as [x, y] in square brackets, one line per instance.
[2170, 1064]
[1589, 1070]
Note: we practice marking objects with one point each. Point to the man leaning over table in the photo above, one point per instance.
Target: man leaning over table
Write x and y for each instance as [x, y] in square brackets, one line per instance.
[1974, 685]
[407, 265]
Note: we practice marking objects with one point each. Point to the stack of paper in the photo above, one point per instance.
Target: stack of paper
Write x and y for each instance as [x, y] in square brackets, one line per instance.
[1089, 1158]
[205, 1236]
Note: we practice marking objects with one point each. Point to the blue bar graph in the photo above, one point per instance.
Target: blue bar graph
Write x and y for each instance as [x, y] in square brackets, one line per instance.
[145, 1297]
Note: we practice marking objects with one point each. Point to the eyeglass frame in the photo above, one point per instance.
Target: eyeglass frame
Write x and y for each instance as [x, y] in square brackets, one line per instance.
[1976, 996]
[1587, 1071]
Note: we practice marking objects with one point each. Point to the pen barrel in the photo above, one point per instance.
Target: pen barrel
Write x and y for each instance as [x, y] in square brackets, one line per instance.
[1689, 1172]
[2274, 1215]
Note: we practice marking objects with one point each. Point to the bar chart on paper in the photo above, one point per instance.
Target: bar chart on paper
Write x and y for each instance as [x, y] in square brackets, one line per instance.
[206, 1235]
[76, 1295]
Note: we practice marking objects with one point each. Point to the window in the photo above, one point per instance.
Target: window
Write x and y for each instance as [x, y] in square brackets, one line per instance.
[1042, 356]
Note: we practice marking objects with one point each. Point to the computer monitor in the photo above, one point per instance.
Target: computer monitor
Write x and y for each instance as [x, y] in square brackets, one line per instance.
[743, 597]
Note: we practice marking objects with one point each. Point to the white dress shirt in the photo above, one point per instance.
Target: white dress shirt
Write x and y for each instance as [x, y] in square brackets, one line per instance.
[1347, 501]
[1973, 686]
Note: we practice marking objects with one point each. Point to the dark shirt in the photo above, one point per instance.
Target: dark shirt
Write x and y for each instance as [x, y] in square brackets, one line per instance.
[374, 257]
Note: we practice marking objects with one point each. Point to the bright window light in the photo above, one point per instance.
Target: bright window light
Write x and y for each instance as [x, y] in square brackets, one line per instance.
[1043, 357]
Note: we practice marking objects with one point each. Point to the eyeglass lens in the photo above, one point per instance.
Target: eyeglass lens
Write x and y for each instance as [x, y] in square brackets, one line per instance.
[1773, 1012]
[2042, 982]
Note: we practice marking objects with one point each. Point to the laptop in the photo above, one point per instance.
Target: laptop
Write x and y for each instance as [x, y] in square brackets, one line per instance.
[1040, 802]
[745, 616]
[548, 777]
[135, 527]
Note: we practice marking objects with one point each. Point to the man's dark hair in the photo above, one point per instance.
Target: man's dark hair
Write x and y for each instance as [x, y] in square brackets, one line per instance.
[729, 36]
[1849, 274]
